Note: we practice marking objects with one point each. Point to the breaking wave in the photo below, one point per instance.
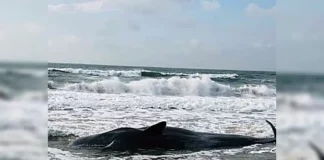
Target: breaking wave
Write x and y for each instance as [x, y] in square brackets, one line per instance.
[56, 135]
[36, 73]
[23, 84]
[138, 73]
[51, 85]
[259, 90]
[211, 76]
[300, 101]
[216, 76]
[5, 92]
[177, 86]
[118, 73]
[9, 94]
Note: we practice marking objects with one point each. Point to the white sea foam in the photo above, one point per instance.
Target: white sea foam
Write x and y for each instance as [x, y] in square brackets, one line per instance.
[39, 73]
[300, 100]
[300, 116]
[65, 107]
[119, 73]
[259, 90]
[23, 130]
[51, 85]
[202, 86]
[36, 96]
[297, 128]
[5, 92]
[57, 154]
[191, 101]
[137, 73]
[85, 113]
[9, 94]
[229, 76]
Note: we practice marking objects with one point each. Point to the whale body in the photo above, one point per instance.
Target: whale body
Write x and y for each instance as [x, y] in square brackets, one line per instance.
[162, 137]
[318, 152]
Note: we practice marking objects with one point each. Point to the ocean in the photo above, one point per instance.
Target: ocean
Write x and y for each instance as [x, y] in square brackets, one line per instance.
[90, 99]
[300, 109]
[23, 111]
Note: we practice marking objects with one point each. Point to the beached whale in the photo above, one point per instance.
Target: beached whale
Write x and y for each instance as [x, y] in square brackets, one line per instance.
[162, 137]
[319, 153]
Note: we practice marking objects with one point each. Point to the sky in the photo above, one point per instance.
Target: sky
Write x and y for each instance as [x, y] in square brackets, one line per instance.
[216, 34]
[23, 31]
[223, 34]
[300, 36]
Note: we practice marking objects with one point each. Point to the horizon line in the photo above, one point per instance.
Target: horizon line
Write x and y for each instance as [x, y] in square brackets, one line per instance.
[159, 67]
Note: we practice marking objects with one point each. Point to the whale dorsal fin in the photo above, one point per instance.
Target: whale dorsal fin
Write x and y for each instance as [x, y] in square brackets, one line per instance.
[155, 129]
[317, 150]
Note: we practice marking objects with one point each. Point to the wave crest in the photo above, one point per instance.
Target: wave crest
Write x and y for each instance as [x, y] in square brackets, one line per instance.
[55, 135]
[259, 90]
[106, 73]
[216, 76]
[174, 86]
[51, 85]
[27, 95]
[140, 73]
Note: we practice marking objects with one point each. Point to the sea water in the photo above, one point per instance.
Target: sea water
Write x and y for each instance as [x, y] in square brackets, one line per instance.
[90, 99]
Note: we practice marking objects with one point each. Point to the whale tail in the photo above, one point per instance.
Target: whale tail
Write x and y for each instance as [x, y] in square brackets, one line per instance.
[319, 153]
[269, 140]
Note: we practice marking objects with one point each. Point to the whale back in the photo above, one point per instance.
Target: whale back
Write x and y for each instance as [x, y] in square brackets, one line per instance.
[159, 136]
[317, 150]
[134, 138]
[155, 129]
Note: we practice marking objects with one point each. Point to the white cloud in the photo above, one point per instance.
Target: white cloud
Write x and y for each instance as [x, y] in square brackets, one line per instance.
[296, 36]
[194, 43]
[58, 42]
[159, 33]
[57, 7]
[49, 43]
[33, 27]
[262, 45]
[1, 34]
[94, 6]
[210, 5]
[23, 42]
[90, 7]
[71, 48]
[133, 25]
[71, 39]
[300, 36]
[255, 10]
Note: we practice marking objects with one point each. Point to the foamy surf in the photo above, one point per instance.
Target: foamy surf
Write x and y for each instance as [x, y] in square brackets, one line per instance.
[84, 113]
[137, 73]
[23, 130]
[81, 104]
[300, 101]
[175, 86]
[300, 104]
[106, 73]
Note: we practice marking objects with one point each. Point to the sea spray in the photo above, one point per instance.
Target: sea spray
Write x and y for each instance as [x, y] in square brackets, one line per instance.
[139, 73]
[176, 86]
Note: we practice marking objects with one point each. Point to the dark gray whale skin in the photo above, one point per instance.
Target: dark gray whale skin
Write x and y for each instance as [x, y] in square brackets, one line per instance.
[319, 153]
[161, 137]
